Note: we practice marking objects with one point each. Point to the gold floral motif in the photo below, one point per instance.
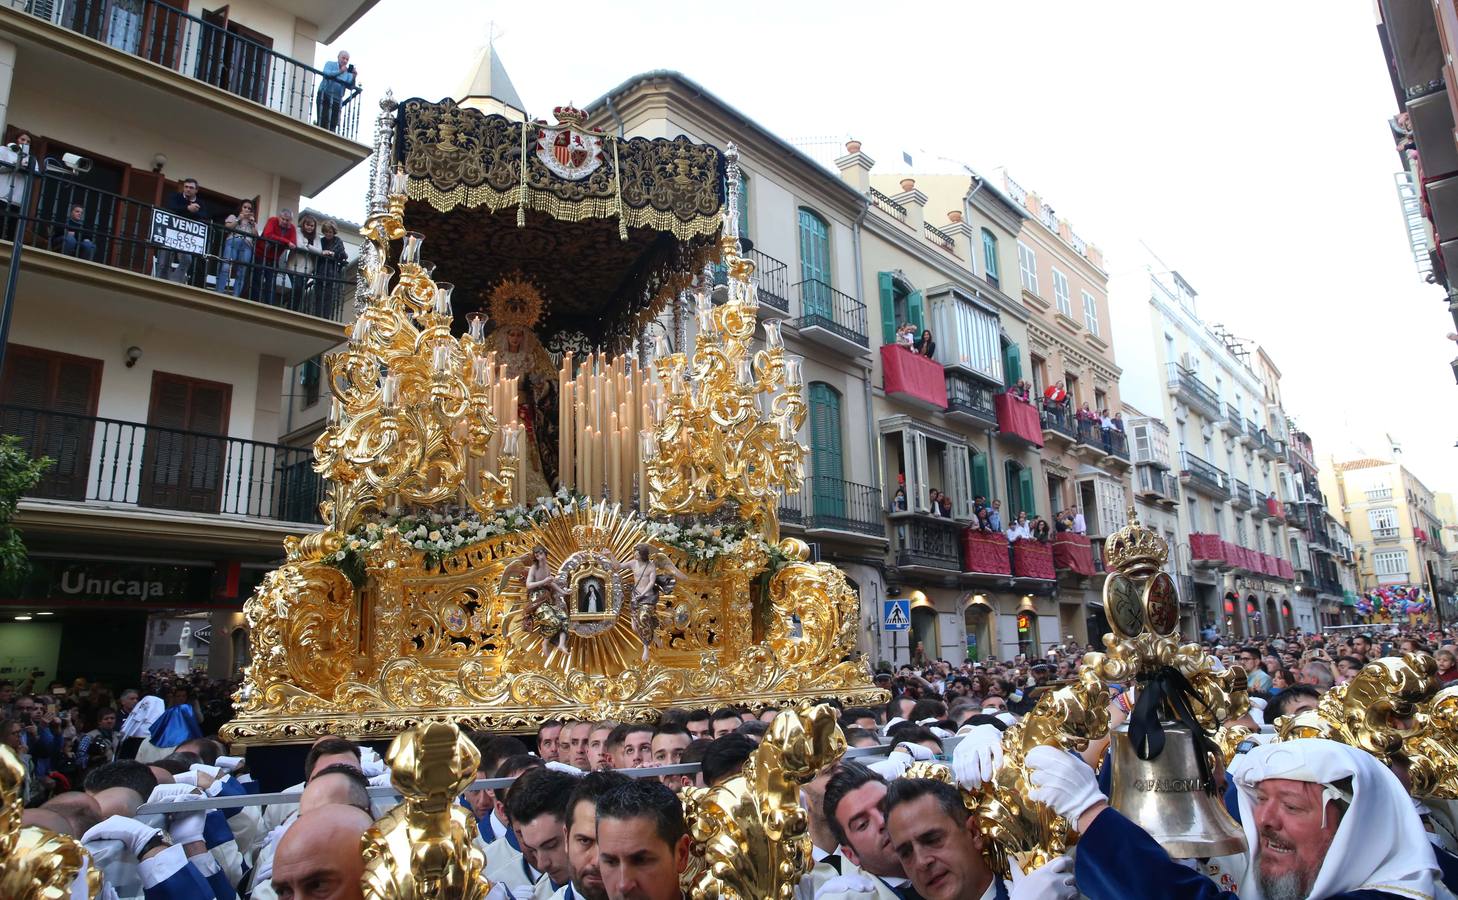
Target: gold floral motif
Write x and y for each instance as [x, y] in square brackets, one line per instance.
[750, 832]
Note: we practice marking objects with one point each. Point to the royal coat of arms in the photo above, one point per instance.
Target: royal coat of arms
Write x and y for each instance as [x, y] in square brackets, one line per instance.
[569, 149]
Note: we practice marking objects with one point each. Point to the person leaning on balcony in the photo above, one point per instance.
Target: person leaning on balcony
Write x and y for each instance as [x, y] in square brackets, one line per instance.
[237, 253]
[906, 336]
[338, 74]
[332, 260]
[1020, 530]
[994, 517]
[925, 345]
[304, 261]
[280, 235]
[1055, 395]
[72, 238]
[174, 265]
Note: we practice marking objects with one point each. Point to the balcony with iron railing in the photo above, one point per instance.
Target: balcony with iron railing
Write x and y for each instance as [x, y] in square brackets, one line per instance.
[1091, 437]
[1058, 421]
[1232, 423]
[209, 52]
[969, 401]
[1202, 476]
[1156, 485]
[1240, 494]
[927, 544]
[833, 319]
[886, 205]
[912, 378]
[1260, 505]
[771, 280]
[939, 237]
[119, 232]
[1270, 447]
[1252, 434]
[102, 465]
[1187, 386]
[829, 506]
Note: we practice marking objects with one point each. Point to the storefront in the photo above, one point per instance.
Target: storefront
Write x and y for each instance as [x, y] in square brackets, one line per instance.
[109, 618]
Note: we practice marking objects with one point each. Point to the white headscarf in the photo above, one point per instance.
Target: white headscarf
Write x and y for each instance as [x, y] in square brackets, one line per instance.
[1379, 845]
[139, 723]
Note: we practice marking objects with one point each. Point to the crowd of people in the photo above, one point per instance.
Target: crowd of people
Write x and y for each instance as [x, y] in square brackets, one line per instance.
[571, 824]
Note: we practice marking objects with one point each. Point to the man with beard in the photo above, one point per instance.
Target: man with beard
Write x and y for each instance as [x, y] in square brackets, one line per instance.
[642, 842]
[586, 883]
[1322, 820]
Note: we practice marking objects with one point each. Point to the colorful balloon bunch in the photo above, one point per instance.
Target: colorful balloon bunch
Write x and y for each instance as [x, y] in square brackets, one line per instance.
[1393, 601]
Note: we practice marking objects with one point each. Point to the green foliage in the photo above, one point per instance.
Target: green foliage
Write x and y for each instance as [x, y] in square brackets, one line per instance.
[18, 474]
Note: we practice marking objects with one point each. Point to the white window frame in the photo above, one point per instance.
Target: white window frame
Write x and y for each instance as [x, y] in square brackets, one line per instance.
[1028, 267]
[1390, 562]
[1060, 293]
[1383, 522]
[1091, 313]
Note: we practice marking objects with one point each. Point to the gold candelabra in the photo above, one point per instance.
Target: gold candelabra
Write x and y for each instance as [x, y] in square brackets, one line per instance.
[418, 416]
[728, 414]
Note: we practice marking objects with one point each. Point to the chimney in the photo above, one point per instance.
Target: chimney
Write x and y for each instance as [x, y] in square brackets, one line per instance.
[1095, 255]
[855, 167]
[915, 203]
[961, 234]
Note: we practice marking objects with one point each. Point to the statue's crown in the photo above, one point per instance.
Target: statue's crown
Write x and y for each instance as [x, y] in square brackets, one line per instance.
[1135, 550]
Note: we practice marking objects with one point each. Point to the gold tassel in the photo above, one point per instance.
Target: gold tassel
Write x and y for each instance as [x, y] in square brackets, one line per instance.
[522, 191]
[618, 192]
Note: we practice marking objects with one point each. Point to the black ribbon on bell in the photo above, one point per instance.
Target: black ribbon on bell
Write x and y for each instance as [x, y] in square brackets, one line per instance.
[1167, 687]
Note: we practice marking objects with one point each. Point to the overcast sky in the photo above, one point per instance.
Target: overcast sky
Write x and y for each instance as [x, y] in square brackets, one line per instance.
[1246, 143]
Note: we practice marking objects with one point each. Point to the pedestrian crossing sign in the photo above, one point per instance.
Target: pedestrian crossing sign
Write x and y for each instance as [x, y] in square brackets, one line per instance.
[896, 615]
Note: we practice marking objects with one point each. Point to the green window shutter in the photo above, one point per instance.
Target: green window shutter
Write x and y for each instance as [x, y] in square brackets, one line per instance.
[1025, 488]
[989, 254]
[827, 459]
[1010, 472]
[1012, 364]
[913, 311]
[815, 266]
[981, 484]
[888, 307]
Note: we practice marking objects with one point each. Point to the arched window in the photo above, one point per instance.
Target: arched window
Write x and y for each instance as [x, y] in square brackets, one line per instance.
[989, 256]
[827, 462]
[815, 297]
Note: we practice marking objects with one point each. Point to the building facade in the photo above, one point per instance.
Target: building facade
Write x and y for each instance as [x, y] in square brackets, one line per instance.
[1220, 400]
[1396, 529]
[149, 341]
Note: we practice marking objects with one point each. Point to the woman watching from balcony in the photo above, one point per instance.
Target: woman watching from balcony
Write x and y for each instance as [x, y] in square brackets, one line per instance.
[925, 345]
[237, 252]
[304, 261]
[332, 260]
[280, 235]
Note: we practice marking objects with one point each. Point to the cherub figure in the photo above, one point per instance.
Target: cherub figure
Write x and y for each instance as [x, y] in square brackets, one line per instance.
[647, 569]
[546, 610]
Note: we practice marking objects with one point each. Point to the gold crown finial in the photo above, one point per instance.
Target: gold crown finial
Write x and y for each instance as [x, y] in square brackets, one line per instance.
[1135, 550]
[515, 301]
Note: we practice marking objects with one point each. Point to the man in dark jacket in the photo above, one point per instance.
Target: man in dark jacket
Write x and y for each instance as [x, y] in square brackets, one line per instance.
[174, 265]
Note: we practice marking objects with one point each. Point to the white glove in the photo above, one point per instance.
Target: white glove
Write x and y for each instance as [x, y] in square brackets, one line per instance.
[130, 832]
[210, 771]
[1062, 782]
[978, 757]
[891, 723]
[563, 767]
[163, 793]
[370, 763]
[853, 886]
[380, 780]
[230, 763]
[916, 751]
[184, 827]
[1053, 881]
[188, 778]
[522, 892]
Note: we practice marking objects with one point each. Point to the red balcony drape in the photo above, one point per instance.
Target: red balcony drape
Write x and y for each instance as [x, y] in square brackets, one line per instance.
[985, 552]
[1073, 552]
[1018, 418]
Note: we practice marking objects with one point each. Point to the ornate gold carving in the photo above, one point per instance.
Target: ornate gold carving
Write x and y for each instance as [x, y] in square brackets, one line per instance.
[516, 301]
[442, 642]
[728, 435]
[1432, 752]
[35, 864]
[1376, 711]
[1135, 550]
[422, 849]
[751, 831]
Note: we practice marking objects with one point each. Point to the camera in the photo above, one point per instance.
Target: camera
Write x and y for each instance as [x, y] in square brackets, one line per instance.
[350, 70]
[76, 163]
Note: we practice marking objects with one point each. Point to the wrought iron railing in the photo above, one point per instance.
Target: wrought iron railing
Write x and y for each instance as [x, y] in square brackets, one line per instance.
[116, 231]
[1058, 417]
[1232, 415]
[1187, 381]
[210, 52]
[1118, 443]
[822, 306]
[964, 395]
[96, 460]
[1201, 472]
[835, 504]
[939, 237]
[771, 280]
[1253, 430]
[929, 543]
[886, 205]
[1240, 492]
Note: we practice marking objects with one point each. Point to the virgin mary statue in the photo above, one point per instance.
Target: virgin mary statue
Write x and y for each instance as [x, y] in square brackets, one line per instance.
[515, 306]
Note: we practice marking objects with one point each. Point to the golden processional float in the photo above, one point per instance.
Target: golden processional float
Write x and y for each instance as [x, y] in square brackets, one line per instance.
[580, 387]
